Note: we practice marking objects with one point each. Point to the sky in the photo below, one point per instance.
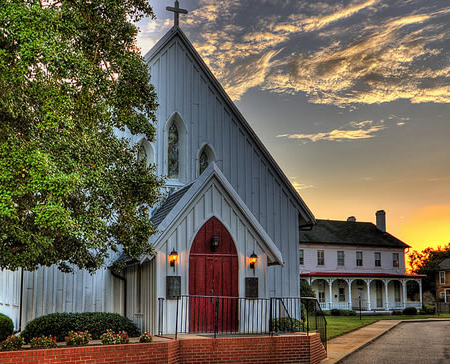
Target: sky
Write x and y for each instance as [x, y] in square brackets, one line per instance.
[351, 98]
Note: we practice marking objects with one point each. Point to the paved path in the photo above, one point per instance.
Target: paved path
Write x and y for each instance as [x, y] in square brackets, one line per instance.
[410, 343]
[342, 346]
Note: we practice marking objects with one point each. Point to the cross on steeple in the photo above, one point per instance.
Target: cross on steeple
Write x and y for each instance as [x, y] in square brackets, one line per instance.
[176, 12]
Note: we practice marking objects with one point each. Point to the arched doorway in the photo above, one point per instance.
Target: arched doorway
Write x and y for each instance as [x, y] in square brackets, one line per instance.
[213, 271]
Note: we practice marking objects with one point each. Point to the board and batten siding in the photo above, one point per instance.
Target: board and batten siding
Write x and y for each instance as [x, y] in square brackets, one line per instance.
[212, 201]
[184, 88]
[47, 290]
[10, 295]
[141, 296]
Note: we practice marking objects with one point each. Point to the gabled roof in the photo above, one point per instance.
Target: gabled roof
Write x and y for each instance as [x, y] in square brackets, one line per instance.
[167, 206]
[350, 233]
[195, 189]
[445, 264]
[176, 31]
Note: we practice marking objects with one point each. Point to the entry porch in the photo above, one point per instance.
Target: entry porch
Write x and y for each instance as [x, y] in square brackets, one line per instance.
[377, 292]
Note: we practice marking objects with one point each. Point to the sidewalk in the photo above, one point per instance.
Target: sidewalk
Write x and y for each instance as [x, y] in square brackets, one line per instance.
[342, 346]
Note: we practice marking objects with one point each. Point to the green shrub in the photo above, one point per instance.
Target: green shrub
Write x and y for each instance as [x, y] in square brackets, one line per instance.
[429, 309]
[336, 312]
[305, 289]
[6, 327]
[397, 312]
[60, 324]
[286, 324]
[43, 342]
[11, 343]
[349, 313]
[410, 311]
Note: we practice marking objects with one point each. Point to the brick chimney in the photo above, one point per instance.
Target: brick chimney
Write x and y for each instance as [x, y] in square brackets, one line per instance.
[381, 220]
[351, 219]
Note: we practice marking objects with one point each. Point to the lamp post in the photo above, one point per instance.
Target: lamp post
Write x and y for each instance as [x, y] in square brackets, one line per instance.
[359, 300]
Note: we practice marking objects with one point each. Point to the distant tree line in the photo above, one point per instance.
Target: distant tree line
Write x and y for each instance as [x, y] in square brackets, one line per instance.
[426, 262]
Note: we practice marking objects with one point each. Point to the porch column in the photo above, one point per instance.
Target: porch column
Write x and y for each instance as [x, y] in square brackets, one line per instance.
[386, 286]
[349, 282]
[404, 292]
[420, 292]
[368, 281]
[330, 286]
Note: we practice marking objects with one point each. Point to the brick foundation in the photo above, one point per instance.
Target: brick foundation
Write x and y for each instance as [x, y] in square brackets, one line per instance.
[263, 349]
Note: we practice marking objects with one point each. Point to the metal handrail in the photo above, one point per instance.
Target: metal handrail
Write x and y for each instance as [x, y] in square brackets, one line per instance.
[238, 315]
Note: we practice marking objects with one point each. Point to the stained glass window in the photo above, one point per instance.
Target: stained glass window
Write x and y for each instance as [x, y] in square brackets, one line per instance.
[173, 152]
[204, 161]
[142, 155]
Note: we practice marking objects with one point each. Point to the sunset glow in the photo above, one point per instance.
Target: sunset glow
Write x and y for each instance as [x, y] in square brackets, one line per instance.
[429, 226]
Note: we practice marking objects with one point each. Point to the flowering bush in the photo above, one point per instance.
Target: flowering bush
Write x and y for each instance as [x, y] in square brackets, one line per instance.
[45, 342]
[110, 337]
[78, 338]
[11, 343]
[145, 338]
[122, 338]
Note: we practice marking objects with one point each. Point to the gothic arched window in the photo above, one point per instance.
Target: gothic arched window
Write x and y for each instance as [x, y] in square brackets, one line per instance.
[173, 152]
[204, 161]
[142, 155]
[205, 158]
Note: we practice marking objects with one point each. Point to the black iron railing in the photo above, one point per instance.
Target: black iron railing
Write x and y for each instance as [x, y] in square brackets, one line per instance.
[237, 315]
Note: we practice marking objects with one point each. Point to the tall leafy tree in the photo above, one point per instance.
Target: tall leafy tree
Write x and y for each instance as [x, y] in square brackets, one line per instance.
[71, 81]
[427, 261]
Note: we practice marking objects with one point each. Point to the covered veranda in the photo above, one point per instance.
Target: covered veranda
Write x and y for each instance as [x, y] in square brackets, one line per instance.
[368, 292]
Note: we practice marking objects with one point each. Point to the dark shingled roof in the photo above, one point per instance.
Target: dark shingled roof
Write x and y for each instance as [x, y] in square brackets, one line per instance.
[168, 205]
[445, 264]
[157, 218]
[350, 233]
[124, 258]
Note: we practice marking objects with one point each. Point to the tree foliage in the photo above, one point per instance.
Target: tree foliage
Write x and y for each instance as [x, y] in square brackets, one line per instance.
[71, 81]
[427, 261]
[305, 289]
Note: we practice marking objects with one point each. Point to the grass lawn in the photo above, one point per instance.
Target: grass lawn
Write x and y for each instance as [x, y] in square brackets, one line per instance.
[338, 325]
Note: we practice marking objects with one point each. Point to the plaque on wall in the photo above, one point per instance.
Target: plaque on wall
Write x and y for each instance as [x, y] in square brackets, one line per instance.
[251, 287]
[173, 287]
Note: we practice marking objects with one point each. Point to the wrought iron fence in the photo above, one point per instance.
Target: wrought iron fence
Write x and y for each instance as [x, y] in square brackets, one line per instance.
[236, 315]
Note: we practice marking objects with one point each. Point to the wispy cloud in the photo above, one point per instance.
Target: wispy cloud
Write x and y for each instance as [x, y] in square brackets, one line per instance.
[298, 185]
[388, 64]
[352, 131]
[327, 15]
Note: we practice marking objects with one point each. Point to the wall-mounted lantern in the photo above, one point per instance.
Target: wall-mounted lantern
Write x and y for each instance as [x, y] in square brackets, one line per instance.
[173, 258]
[215, 241]
[252, 260]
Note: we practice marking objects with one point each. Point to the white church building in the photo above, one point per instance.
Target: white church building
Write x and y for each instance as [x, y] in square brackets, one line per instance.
[230, 225]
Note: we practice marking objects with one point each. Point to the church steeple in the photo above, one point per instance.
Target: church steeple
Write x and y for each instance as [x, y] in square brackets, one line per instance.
[176, 13]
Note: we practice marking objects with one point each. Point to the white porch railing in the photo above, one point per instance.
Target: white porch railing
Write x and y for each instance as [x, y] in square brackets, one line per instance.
[396, 306]
[355, 306]
[416, 304]
[339, 306]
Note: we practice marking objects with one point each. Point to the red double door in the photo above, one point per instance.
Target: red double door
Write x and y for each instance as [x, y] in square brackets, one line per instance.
[213, 280]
